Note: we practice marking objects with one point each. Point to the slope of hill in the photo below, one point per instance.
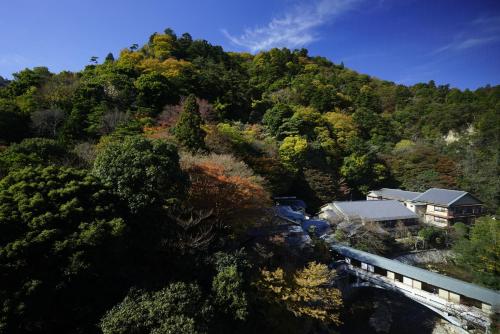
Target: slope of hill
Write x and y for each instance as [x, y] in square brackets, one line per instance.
[127, 190]
[310, 127]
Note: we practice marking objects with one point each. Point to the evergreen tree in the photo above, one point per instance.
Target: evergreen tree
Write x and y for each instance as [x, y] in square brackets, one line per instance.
[60, 236]
[109, 58]
[188, 129]
[144, 173]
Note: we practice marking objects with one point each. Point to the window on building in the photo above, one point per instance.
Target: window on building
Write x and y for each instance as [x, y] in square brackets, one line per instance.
[380, 271]
[429, 288]
[355, 263]
[398, 277]
[470, 302]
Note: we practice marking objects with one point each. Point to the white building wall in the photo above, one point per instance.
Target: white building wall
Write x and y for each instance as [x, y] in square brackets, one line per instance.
[444, 294]
[407, 281]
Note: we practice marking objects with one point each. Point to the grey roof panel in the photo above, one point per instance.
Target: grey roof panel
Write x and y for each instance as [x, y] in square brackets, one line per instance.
[445, 197]
[397, 194]
[330, 215]
[470, 290]
[467, 199]
[375, 210]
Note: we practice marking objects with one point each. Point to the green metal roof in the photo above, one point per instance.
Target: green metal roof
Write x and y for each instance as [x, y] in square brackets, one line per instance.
[470, 290]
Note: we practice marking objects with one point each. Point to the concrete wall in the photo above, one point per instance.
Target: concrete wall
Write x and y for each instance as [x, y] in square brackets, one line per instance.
[486, 308]
[411, 206]
[367, 267]
[444, 294]
[454, 298]
[429, 219]
[438, 210]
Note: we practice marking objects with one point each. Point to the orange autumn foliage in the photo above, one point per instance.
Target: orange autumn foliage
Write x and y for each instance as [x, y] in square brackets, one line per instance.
[229, 189]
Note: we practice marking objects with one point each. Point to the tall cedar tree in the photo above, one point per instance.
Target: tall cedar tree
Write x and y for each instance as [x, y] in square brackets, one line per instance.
[188, 129]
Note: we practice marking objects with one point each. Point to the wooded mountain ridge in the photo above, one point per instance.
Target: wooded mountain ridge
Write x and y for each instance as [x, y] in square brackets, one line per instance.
[135, 194]
[337, 133]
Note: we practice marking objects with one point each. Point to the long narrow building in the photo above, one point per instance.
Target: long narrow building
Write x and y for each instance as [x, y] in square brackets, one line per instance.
[444, 287]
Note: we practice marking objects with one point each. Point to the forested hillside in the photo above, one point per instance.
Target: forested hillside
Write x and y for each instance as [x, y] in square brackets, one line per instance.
[136, 179]
[308, 126]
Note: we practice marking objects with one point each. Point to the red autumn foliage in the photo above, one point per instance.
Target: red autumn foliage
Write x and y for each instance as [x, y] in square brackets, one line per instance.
[234, 195]
[170, 113]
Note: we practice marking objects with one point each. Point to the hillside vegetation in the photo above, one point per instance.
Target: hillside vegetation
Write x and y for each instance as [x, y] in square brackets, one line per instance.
[127, 189]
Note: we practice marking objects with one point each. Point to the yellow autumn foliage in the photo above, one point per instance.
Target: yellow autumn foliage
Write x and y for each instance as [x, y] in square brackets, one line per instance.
[308, 293]
[342, 125]
[129, 58]
[169, 67]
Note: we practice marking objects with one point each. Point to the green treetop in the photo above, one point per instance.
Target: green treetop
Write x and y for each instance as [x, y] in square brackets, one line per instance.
[188, 129]
[142, 172]
[59, 230]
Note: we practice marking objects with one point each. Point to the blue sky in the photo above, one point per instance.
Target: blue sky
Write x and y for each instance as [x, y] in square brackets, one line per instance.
[406, 41]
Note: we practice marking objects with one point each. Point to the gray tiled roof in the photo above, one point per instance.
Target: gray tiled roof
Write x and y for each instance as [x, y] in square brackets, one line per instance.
[470, 290]
[397, 194]
[329, 214]
[375, 210]
[444, 197]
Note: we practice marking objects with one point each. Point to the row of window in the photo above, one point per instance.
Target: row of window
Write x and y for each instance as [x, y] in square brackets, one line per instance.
[440, 220]
[400, 278]
[467, 210]
[440, 209]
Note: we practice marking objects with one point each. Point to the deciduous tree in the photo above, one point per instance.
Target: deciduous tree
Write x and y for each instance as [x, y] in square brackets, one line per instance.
[292, 152]
[308, 293]
[47, 122]
[229, 188]
[481, 252]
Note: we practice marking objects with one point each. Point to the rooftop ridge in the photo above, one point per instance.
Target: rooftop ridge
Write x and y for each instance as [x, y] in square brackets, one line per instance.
[459, 197]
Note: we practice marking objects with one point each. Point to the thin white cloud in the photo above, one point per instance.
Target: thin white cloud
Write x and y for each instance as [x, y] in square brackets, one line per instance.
[293, 29]
[466, 43]
[481, 31]
[473, 42]
[487, 22]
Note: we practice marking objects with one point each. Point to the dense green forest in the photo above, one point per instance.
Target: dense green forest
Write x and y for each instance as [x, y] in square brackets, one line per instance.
[127, 189]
